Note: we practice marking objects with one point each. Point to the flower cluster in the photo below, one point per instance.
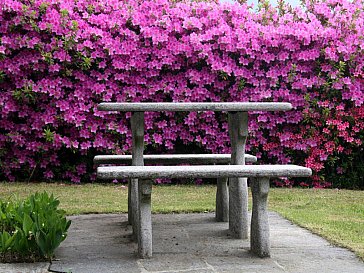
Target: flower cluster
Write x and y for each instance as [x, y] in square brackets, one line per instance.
[58, 59]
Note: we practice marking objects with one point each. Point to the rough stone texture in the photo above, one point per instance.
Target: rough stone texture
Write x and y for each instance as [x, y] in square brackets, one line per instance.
[24, 268]
[145, 219]
[238, 187]
[222, 200]
[202, 171]
[97, 244]
[194, 243]
[194, 106]
[172, 159]
[259, 238]
[137, 127]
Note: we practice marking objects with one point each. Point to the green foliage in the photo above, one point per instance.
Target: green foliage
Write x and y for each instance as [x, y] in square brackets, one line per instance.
[43, 8]
[48, 135]
[74, 25]
[90, 9]
[48, 58]
[32, 229]
[242, 84]
[25, 94]
[64, 13]
[86, 63]
[2, 75]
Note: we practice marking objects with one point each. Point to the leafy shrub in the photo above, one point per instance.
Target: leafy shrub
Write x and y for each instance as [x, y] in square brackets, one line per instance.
[58, 59]
[31, 230]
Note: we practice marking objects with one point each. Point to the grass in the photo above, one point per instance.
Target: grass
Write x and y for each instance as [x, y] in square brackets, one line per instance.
[337, 215]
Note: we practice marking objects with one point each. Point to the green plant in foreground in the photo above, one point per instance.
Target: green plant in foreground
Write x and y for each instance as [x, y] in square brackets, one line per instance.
[32, 229]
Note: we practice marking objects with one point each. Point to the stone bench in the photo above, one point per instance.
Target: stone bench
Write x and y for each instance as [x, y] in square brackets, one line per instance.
[222, 193]
[259, 176]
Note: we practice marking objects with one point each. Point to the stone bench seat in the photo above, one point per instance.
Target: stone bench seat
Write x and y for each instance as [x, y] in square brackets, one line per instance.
[201, 171]
[222, 193]
[259, 176]
[172, 159]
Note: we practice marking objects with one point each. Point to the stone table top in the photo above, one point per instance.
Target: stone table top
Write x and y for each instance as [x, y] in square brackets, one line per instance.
[194, 106]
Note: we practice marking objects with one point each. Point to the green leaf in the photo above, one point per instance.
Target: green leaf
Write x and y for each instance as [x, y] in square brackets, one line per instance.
[6, 241]
[2, 76]
[27, 224]
[43, 7]
[41, 241]
[64, 12]
[38, 227]
[74, 25]
[48, 135]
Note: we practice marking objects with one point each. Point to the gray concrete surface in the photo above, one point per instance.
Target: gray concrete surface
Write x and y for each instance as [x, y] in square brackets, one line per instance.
[24, 268]
[194, 243]
[189, 243]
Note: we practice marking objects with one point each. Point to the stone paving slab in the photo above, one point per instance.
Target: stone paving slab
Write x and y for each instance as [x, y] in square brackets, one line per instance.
[24, 268]
[195, 243]
[190, 243]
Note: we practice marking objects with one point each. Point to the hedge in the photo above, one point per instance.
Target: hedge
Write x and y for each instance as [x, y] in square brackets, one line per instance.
[58, 59]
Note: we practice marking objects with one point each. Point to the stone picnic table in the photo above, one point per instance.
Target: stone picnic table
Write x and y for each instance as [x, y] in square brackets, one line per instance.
[238, 131]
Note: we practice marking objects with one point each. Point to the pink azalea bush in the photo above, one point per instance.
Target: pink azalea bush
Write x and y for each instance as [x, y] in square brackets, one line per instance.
[58, 59]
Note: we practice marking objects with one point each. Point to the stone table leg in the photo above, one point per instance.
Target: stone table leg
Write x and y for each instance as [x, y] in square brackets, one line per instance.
[222, 201]
[145, 219]
[238, 188]
[259, 238]
[137, 127]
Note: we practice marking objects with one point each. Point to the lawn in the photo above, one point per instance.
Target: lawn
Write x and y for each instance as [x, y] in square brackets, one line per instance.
[337, 215]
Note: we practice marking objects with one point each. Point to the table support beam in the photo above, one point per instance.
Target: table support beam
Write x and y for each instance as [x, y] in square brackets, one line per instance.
[259, 238]
[238, 188]
[137, 127]
[222, 200]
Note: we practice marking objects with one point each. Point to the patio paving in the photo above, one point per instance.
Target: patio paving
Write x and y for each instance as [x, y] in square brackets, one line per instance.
[195, 243]
[191, 243]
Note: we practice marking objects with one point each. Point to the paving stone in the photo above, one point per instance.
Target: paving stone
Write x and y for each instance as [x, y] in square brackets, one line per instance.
[196, 243]
[190, 243]
[24, 268]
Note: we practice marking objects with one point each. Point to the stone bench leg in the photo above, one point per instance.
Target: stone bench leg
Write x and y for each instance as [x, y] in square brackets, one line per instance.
[259, 237]
[145, 219]
[130, 213]
[222, 200]
[134, 206]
